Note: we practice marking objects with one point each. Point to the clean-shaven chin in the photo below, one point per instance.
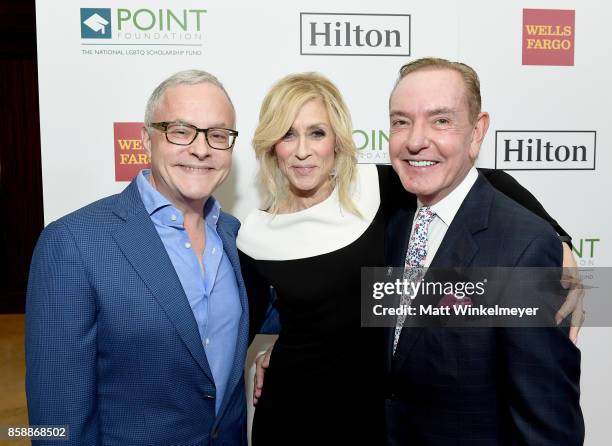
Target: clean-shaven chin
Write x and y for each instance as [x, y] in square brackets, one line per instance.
[416, 178]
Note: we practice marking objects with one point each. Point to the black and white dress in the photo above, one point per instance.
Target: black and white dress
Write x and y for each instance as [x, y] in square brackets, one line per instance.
[325, 382]
[322, 385]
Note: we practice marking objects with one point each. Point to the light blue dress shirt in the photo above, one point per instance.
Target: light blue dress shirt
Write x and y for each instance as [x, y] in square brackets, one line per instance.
[213, 293]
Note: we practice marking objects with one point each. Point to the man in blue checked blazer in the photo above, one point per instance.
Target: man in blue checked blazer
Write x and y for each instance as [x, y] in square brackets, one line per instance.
[137, 317]
[478, 386]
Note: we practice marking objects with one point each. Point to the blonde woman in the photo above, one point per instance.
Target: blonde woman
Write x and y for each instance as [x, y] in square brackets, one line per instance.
[323, 218]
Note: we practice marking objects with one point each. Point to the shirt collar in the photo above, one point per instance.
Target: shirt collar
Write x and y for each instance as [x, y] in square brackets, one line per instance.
[155, 202]
[447, 208]
[212, 210]
[151, 198]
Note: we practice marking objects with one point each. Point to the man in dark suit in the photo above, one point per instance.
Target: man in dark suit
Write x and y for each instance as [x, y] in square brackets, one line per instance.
[468, 386]
[137, 316]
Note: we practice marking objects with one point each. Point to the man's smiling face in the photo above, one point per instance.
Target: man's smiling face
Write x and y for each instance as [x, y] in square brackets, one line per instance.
[433, 142]
[188, 175]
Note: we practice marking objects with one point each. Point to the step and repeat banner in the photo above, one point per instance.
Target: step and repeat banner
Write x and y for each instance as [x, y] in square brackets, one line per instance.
[544, 68]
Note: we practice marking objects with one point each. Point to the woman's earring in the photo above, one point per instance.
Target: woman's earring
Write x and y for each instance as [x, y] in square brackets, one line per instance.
[333, 173]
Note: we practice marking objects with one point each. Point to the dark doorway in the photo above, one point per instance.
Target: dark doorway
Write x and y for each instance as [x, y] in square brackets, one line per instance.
[21, 203]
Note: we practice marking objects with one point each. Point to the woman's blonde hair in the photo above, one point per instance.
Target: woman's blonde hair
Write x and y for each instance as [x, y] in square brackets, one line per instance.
[278, 112]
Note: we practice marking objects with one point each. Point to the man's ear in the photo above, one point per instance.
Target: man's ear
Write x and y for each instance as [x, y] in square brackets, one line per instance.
[478, 133]
[146, 140]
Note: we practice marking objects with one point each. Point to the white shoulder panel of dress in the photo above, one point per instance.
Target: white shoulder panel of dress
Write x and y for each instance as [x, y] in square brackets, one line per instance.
[320, 229]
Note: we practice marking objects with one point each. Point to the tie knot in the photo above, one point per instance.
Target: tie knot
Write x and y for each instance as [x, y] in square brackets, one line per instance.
[425, 215]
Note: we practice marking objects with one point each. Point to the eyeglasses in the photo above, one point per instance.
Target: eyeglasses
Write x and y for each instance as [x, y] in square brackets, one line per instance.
[183, 134]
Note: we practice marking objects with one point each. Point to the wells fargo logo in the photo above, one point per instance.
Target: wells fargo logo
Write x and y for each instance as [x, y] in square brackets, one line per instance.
[130, 156]
[548, 36]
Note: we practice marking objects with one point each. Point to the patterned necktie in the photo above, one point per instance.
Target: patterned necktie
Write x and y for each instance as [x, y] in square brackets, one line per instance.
[415, 260]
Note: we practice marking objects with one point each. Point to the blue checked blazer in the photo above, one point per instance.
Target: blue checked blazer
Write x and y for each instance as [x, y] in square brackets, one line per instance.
[112, 346]
[450, 386]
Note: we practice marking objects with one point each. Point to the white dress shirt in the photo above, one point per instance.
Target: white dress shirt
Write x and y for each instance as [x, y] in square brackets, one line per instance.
[445, 211]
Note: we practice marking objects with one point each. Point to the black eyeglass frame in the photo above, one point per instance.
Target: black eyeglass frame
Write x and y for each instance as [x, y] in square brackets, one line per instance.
[163, 127]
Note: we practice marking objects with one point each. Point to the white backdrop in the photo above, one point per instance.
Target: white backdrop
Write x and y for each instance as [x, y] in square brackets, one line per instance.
[95, 74]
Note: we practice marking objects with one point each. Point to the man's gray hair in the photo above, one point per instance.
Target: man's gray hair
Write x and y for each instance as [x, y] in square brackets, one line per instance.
[187, 77]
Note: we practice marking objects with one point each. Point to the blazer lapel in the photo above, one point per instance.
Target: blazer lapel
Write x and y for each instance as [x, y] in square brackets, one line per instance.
[143, 248]
[227, 231]
[396, 245]
[398, 236]
[457, 250]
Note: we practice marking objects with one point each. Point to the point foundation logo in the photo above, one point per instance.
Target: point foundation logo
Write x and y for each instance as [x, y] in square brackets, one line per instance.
[372, 145]
[354, 34]
[548, 37]
[96, 23]
[142, 32]
[130, 156]
[545, 149]
[585, 250]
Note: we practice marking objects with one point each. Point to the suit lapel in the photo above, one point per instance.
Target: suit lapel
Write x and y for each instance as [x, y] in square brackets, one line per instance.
[457, 250]
[396, 245]
[228, 237]
[143, 248]
[398, 235]
[458, 247]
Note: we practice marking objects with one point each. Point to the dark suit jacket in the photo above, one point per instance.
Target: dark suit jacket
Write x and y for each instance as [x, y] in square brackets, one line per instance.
[483, 386]
[112, 346]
